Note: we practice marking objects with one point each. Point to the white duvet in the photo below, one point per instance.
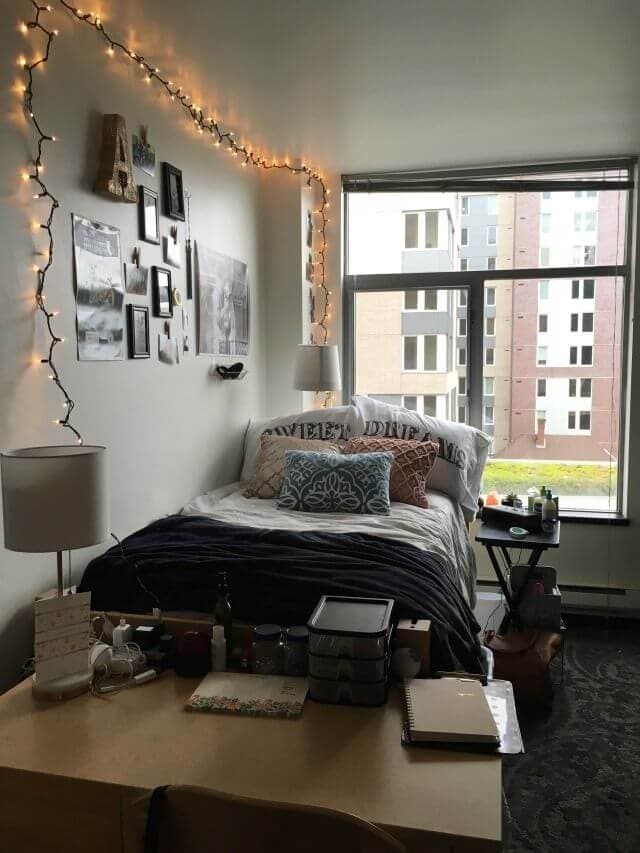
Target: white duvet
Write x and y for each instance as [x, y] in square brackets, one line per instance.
[440, 530]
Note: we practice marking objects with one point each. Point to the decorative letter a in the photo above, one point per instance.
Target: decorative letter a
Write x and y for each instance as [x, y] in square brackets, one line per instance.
[115, 176]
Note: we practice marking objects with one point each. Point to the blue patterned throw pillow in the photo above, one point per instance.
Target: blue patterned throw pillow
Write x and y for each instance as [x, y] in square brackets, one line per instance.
[333, 482]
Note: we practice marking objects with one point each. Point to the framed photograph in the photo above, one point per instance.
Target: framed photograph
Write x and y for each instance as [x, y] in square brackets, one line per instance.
[162, 292]
[148, 212]
[136, 278]
[173, 191]
[144, 154]
[138, 321]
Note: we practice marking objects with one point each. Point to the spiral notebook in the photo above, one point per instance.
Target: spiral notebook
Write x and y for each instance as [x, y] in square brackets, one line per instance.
[449, 710]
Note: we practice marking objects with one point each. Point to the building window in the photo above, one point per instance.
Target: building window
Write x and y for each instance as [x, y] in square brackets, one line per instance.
[542, 387]
[489, 356]
[462, 297]
[431, 229]
[491, 263]
[587, 322]
[464, 236]
[462, 327]
[586, 355]
[464, 205]
[430, 300]
[585, 387]
[545, 223]
[543, 289]
[546, 195]
[489, 386]
[410, 352]
[572, 387]
[430, 352]
[410, 402]
[429, 405]
[575, 289]
[573, 355]
[574, 323]
[488, 415]
[588, 288]
[410, 300]
[584, 256]
[464, 264]
[490, 296]
[492, 205]
[545, 256]
[491, 235]
[543, 322]
[590, 220]
[490, 326]
[571, 420]
[462, 356]
[585, 420]
[462, 414]
[542, 356]
[410, 231]
[462, 386]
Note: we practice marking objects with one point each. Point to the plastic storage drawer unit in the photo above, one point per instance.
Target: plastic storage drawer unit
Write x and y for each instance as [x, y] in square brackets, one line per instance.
[348, 669]
[345, 627]
[348, 692]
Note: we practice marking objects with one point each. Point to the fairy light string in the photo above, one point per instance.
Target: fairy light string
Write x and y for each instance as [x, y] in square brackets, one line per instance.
[34, 175]
[208, 124]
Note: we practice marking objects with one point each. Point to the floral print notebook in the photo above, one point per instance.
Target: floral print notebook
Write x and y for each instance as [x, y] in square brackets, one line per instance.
[254, 695]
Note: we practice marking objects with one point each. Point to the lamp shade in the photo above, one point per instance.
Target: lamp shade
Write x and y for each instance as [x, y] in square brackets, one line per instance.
[317, 368]
[54, 498]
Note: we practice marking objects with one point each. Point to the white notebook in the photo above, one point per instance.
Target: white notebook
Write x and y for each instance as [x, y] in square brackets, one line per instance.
[449, 710]
[255, 695]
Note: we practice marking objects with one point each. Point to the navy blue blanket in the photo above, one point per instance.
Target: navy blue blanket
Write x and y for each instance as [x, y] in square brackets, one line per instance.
[278, 576]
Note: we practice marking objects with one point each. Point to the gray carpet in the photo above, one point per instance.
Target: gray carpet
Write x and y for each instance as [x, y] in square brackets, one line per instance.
[577, 787]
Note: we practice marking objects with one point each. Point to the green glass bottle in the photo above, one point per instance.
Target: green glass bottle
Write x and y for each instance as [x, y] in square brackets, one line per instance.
[222, 611]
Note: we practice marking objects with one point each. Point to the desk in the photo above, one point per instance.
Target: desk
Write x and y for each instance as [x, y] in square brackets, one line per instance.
[68, 771]
[498, 537]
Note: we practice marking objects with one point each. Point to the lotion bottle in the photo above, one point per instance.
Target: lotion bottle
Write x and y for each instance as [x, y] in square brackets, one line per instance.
[548, 513]
[218, 649]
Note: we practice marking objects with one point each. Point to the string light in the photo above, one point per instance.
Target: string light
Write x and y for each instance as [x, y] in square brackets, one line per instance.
[35, 175]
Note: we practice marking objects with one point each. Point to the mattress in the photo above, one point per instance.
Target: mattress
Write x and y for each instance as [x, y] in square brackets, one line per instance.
[440, 530]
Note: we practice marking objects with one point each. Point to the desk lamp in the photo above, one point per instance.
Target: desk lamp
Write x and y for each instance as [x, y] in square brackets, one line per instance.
[55, 499]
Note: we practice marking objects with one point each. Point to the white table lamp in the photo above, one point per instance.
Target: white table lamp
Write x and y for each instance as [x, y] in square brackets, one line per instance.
[55, 499]
[317, 368]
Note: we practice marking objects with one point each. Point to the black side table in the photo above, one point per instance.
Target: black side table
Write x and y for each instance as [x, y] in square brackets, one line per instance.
[498, 539]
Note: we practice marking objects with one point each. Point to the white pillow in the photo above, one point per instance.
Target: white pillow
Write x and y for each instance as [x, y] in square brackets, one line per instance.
[336, 424]
[463, 449]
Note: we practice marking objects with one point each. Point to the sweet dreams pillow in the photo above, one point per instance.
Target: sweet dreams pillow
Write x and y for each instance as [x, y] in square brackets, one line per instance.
[267, 479]
[337, 424]
[462, 450]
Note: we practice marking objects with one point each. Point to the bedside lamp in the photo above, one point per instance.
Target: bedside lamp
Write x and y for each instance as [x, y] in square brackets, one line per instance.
[317, 368]
[55, 499]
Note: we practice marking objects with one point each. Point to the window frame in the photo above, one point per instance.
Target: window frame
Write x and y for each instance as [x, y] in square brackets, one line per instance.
[474, 281]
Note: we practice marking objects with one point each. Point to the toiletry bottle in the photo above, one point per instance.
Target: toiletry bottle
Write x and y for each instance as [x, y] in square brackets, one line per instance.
[548, 513]
[218, 649]
[222, 611]
[539, 500]
[122, 634]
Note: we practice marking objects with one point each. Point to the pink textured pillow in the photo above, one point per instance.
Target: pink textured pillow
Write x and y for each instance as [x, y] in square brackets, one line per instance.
[412, 462]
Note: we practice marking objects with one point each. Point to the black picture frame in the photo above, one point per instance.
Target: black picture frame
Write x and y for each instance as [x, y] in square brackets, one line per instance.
[138, 349]
[148, 215]
[162, 292]
[172, 192]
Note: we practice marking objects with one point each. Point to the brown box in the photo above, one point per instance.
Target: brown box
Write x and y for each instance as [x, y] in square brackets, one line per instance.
[416, 634]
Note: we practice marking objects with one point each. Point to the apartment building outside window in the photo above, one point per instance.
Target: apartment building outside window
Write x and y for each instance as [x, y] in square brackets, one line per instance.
[530, 339]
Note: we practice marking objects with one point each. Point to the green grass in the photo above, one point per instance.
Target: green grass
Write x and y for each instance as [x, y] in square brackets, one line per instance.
[562, 478]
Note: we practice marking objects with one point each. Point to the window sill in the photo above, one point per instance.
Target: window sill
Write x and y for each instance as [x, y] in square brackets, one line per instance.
[611, 518]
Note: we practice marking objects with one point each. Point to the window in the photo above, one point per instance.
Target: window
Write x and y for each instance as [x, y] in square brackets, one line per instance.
[430, 352]
[462, 414]
[429, 405]
[574, 323]
[588, 288]
[543, 289]
[462, 385]
[573, 355]
[545, 223]
[411, 230]
[542, 356]
[462, 327]
[431, 229]
[464, 264]
[575, 289]
[464, 205]
[490, 326]
[488, 415]
[592, 193]
[410, 300]
[586, 355]
[546, 195]
[410, 353]
[489, 356]
[410, 402]
[545, 256]
[430, 300]
[590, 220]
[464, 236]
[492, 205]
[491, 263]
[463, 298]
[584, 255]
[587, 322]
[490, 296]
[462, 356]
[585, 420]
[571, 420]
[491, 235]
[577, 221]
[489, 386]
[543, 322]
[542, 387]
[572, 387]
[585, 387]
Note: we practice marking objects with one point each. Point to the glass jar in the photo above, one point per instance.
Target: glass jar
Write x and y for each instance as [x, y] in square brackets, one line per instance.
[267, 650]
[296, 655]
